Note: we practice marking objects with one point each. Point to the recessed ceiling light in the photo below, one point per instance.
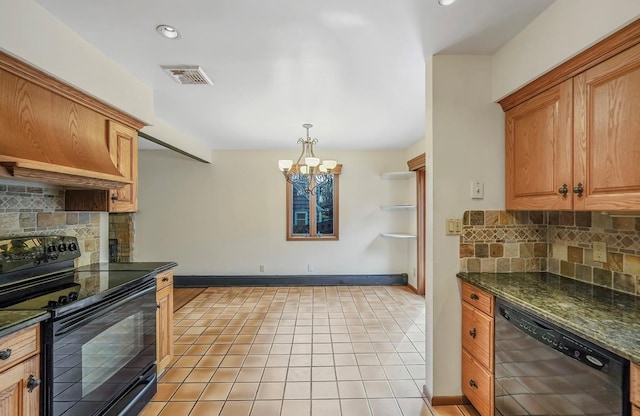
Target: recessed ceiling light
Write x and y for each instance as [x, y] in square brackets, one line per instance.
[446, 2]
[168, 32]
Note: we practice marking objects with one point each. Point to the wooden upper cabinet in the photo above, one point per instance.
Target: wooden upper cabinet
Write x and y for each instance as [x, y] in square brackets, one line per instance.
[607, 134]
[538, 151]
[122, 142]
[123, 147]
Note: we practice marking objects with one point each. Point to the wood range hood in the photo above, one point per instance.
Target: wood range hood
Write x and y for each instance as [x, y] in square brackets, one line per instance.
[52, 133]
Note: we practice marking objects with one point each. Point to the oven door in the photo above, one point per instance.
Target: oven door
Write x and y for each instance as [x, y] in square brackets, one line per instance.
[100, 356]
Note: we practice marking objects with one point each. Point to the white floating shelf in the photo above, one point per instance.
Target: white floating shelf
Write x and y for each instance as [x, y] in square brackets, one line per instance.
[399, 207]
[397, 235]
[398, 175]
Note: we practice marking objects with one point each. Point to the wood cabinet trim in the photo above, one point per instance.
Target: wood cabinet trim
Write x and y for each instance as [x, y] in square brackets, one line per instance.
[601, 51]
[418, 162]
[37, 77]
[634, 381]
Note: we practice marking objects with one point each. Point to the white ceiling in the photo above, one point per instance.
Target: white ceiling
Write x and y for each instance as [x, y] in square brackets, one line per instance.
[352, 68]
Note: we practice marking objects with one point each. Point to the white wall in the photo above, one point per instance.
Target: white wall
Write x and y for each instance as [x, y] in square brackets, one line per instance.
[30, 33]
[464, 143]
[229, 217]
[563, 30]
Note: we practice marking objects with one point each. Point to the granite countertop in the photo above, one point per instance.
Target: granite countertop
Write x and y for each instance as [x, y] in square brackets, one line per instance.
[134, 266]
[605, 317]
[12, 321]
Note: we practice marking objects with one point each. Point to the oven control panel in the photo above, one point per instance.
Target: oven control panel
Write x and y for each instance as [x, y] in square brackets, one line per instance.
[19, 253]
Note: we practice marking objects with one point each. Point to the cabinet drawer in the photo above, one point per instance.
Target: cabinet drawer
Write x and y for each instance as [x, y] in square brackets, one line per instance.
[477, 384]
[478, 298]
[635, 384]
[22, 344]
[164, 279]
[477, 335]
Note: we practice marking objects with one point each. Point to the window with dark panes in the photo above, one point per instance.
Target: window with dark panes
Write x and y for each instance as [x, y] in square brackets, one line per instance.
[312, 208]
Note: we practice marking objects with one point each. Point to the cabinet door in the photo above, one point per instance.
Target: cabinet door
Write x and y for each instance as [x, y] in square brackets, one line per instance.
[538, 151]
[477, 335]
[123, 146]
[164, 327]
[15, 397]
[607, 134]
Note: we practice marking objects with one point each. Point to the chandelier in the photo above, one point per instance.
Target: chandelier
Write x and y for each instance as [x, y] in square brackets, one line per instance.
[307, 173]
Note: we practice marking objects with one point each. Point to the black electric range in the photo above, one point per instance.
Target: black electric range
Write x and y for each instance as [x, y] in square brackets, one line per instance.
[98, 347]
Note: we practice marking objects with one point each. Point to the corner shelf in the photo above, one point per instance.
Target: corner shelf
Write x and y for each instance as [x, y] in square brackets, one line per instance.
[397, 235]
[405, 174]
[398, 207]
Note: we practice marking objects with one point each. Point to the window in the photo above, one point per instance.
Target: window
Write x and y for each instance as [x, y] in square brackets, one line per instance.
[313, 216]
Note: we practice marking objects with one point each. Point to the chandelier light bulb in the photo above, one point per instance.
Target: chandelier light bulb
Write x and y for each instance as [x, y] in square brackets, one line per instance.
[285, 165]
[304, 169]
[311, 161]
[322, 168]
[330, 164]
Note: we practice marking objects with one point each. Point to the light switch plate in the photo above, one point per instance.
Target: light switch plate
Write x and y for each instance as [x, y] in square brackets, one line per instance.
[477, 190]
[600, 251]
[453, 226]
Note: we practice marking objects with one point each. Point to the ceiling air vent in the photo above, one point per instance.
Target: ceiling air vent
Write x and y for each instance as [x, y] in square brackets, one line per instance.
[187, 74]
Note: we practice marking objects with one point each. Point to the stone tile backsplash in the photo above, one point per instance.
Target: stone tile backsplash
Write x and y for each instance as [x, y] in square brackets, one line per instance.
[560, 242]
[501, 241]
[39, 210]
[122, 230]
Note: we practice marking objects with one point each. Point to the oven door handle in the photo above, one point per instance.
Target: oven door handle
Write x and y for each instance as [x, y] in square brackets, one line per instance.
[78, 318]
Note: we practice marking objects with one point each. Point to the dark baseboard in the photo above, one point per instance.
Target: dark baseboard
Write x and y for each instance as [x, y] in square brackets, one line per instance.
[293, 280]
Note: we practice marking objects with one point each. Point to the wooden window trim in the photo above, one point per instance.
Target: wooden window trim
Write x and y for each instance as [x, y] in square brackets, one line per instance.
[312, 213]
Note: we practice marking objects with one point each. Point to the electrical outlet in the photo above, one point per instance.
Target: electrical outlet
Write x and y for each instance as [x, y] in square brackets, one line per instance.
[262, 268]
[600, 251]
[309, 267]
[414, 272]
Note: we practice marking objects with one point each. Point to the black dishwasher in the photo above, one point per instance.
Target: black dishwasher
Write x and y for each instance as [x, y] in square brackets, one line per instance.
[541, 369]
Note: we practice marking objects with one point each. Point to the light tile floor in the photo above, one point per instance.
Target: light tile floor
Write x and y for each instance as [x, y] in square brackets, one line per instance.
[346, 350]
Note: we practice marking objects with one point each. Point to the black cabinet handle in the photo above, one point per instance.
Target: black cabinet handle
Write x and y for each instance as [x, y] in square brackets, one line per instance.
[157, 306]
[473, 333]
[5, 354]
[114, 197]
[473, 384]
[564, 190]
[578, 189]
[165, 279]
[474, 296]
[33, 382]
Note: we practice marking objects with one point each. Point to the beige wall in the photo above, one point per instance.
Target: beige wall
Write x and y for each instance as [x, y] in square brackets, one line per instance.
[563, 30]
[465, 142]
[229, 217]
[30, 33]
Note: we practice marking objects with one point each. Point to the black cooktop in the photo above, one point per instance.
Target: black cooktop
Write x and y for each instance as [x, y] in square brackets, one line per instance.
[69, 289]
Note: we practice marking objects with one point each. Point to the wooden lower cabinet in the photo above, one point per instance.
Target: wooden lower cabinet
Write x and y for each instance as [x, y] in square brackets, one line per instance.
[20, 373]
[635, 411]
[164, 320]
[478, 348]
[477, 384]
[477, 334]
